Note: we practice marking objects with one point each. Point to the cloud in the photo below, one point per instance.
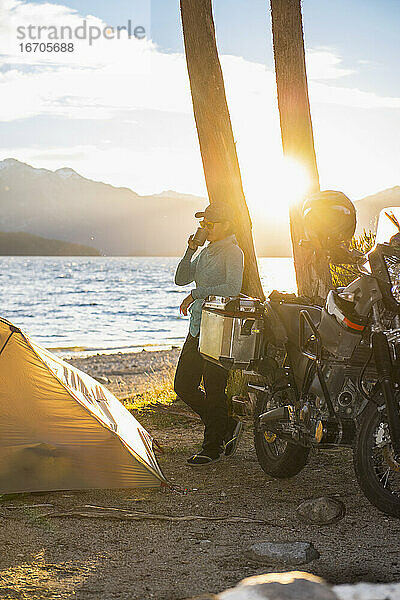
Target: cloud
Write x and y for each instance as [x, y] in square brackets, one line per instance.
[325, 64]
[94, 81]
[350, 97]
[111, 76]
[117, 81]
[23, 21]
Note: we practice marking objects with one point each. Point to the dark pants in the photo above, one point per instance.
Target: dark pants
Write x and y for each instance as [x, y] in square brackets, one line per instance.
[211, 405]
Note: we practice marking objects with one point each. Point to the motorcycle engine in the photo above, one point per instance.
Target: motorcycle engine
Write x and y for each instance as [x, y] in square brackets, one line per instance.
[342, 381]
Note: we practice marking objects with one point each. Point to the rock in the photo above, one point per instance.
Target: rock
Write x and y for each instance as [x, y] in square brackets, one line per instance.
[368, 591]
[297, 585]
[292, 553]
[293, 585]
[322, 511]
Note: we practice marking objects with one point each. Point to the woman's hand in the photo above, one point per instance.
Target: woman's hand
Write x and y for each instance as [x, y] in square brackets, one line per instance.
[183, 309]
[192, 245]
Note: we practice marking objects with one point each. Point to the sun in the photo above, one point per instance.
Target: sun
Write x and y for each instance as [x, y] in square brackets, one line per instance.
[285, 185]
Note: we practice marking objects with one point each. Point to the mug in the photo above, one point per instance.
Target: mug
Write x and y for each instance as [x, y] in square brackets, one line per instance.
[200, 236]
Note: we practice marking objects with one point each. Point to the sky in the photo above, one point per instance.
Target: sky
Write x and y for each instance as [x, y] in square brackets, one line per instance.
[120, 110]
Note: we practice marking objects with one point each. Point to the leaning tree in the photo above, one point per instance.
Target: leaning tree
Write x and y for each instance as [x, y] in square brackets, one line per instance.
[214, 128]
[312, 268]
[217, 144]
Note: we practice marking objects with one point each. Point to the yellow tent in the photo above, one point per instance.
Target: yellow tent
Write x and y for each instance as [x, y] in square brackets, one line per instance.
[60, 429]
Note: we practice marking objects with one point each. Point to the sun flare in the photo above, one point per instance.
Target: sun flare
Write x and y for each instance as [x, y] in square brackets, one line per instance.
[287, 185]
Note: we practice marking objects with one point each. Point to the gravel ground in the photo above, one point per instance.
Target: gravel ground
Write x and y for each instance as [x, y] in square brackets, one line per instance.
[109, 557]
[129, 373]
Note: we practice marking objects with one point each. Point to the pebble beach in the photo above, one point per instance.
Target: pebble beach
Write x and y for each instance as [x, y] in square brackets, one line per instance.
[131, 373]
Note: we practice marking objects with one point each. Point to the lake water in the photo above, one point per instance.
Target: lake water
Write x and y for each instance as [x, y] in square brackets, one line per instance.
[103, 304]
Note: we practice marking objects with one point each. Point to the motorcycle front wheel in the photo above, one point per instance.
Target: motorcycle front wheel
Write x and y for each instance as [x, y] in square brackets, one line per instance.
[277, 457]
[377, 470]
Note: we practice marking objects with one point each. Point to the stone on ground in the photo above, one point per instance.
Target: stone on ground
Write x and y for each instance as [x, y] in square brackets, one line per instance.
[297, 585]
[368, 591]
[293, 585]
[322, 511]
[290, 553]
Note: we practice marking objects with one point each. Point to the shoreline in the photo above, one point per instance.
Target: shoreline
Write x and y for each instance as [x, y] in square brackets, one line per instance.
[79, 352]
[129, 373]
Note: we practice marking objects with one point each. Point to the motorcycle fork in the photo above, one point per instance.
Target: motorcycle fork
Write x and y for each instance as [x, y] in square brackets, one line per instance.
[384, 366]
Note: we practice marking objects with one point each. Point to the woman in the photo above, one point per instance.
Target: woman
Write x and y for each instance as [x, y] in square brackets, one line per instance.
[216, 271]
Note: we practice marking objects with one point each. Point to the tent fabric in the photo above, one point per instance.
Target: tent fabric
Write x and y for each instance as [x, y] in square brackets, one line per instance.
[62, 430]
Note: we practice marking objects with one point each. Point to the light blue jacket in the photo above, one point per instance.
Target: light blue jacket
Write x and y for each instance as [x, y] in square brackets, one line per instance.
[217, 271]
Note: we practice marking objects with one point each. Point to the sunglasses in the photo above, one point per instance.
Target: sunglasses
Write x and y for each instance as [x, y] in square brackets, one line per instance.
[207, 225]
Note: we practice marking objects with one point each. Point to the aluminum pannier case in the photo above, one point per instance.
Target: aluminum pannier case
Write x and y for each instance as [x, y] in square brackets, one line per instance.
[231, 331]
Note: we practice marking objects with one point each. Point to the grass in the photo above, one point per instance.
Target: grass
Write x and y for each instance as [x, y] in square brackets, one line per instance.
[237, 384]
[159, 391]
[158, 394]
[152, 404]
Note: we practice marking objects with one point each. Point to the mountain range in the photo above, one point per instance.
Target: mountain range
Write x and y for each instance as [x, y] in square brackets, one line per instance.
[26, 244]
[62, 205]
[65, 206]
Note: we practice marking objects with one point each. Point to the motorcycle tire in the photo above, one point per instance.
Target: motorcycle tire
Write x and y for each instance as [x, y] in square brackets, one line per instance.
[377, 473]
[278, 458]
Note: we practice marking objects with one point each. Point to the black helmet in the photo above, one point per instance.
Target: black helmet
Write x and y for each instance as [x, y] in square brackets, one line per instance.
[329, 216]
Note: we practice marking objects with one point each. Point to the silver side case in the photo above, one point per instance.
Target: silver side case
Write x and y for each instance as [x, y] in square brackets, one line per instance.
[231, 331]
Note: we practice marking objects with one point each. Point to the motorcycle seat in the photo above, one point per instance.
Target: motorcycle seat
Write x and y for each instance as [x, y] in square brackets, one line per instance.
[290, 317]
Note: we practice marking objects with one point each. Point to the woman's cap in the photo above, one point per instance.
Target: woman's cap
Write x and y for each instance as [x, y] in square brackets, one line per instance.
[217, 212]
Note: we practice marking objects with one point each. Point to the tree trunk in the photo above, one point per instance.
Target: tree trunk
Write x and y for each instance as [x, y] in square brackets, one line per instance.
[214, 128]
[312, 270]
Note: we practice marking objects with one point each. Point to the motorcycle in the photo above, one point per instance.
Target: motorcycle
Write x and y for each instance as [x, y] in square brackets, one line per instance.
[330, 376]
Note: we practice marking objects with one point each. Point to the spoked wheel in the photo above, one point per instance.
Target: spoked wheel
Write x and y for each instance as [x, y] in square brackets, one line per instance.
[376, 467]
[277, 457]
